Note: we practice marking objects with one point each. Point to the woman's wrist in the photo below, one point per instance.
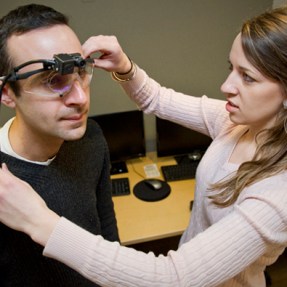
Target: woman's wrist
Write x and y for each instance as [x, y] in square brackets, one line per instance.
[125, 67]
[128, 75]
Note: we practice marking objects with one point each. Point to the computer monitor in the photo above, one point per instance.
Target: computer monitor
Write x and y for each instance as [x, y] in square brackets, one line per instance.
[124, 133]
[178, 141]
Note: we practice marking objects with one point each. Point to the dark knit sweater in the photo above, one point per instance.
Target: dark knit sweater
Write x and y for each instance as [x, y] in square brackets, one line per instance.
[75, 185]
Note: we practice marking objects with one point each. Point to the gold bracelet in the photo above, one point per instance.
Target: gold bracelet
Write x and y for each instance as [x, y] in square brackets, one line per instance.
[125, 77]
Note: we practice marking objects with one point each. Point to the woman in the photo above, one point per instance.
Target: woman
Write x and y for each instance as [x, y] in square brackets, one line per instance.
[239, 220]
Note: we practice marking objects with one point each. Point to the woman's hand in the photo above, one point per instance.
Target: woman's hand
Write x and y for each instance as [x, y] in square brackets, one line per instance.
[22, 209]
[112, 58]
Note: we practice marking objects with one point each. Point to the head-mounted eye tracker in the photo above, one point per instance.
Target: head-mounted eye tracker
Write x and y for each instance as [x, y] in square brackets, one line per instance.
[62, 64]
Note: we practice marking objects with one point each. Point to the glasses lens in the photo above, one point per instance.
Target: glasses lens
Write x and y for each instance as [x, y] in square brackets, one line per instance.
[85, 75]
[59, 84]
[52, 84]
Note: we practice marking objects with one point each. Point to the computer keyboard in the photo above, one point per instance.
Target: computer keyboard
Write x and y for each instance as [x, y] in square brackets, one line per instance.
[179, 171]
[120, 186]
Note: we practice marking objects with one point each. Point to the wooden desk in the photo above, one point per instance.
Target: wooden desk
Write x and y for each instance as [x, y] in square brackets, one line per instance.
[140, 221]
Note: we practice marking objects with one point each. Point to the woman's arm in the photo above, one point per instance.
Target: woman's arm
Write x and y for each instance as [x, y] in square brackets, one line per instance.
[199, 113]
[214, 256]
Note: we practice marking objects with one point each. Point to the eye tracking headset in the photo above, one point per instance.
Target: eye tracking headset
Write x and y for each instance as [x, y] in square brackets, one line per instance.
[63, 64]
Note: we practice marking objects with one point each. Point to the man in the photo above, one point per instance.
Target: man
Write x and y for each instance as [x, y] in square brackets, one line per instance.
[49, 143]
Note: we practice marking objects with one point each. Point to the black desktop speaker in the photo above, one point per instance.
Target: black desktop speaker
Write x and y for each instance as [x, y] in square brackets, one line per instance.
[145, 192]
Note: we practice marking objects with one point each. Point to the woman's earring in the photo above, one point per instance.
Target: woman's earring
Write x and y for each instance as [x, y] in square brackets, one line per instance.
[285, 104]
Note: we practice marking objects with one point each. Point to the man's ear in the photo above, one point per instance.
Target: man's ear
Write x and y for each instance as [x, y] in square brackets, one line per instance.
[8, 97]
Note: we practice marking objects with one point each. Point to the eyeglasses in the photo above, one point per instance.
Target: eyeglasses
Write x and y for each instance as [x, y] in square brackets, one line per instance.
[55, 78]
[52, 84]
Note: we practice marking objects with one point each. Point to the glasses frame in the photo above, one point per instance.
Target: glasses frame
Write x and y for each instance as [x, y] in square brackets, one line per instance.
[63, 64]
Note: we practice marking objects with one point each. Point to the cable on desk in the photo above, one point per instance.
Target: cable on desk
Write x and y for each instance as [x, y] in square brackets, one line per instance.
[142, 176]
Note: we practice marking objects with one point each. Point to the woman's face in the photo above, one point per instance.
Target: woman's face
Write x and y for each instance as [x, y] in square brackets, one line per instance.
[252, 99]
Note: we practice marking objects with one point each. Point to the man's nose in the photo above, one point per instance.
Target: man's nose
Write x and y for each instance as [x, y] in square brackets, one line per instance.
[78, 95]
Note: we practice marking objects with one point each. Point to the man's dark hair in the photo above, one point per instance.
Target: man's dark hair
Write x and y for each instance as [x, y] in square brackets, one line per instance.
[21, 20]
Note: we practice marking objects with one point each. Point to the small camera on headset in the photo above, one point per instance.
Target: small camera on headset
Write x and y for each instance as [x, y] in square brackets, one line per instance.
[65, 63]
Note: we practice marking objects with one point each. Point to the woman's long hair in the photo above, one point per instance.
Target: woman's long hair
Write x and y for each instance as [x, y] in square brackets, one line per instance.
[264, 42]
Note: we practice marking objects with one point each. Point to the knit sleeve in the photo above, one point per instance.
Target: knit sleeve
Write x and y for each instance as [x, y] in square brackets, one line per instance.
[255, 227]
[202, 114]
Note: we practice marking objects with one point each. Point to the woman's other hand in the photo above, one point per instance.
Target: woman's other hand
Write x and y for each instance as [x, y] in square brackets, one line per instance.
[22, 209]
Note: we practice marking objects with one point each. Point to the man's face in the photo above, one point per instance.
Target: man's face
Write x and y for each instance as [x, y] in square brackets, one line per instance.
[51, 118]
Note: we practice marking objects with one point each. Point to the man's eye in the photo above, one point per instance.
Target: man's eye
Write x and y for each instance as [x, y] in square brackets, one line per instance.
[82, 73]
[55, 80]
[58, 81]
[46, 77]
